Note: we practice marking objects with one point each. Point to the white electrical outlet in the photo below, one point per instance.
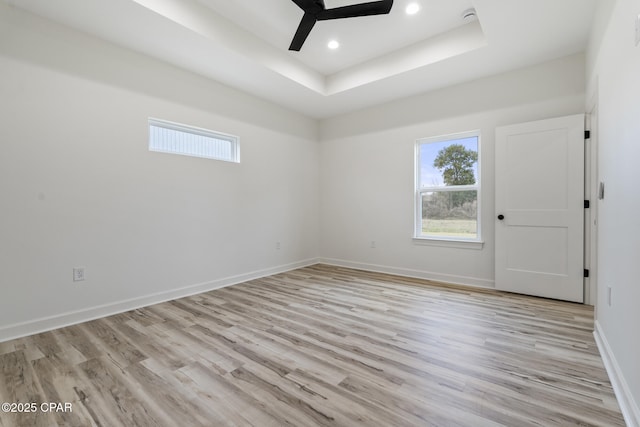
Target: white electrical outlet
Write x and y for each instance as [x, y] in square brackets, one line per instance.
[278, 245]
[78, 274]
[373, 244]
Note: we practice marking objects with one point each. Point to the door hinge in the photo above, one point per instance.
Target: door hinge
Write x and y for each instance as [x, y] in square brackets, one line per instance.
[586, 272]
[587, 134]
[587, 204]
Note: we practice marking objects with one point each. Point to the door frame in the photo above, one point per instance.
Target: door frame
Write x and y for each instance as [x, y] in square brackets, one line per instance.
[591, 184]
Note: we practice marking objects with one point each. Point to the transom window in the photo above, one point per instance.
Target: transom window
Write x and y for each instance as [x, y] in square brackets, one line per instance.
[175, 138]
[448, 187]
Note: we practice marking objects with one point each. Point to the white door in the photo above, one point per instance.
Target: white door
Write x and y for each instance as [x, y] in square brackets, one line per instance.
[540, 208]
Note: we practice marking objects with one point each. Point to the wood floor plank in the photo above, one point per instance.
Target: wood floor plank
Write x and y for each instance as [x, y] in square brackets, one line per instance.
[320, 346]
[174, 403]
[113, 399]
[21, 387]
[57, 380]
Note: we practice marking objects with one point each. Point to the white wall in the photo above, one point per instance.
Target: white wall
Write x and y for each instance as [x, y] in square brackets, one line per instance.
[614, 84]
[78, 186]
[367, 174]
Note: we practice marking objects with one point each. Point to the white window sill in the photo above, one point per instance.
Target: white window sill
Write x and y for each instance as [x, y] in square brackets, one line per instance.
[449, 243]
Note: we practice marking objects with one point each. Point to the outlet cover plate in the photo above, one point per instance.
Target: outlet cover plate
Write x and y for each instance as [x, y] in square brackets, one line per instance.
[78, 274]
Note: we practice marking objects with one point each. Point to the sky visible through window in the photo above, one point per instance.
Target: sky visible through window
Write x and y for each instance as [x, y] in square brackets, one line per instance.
[429, 175]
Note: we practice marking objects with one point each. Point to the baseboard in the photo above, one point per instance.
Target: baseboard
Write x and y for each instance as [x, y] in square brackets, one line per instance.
[406, 272]
[44, 324]
[628, 405]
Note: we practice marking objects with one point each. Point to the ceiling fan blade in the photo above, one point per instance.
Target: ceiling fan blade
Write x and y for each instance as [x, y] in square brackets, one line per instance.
[380, 7]
[307, 23]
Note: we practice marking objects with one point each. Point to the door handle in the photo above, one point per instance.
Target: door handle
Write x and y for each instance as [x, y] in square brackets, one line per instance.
[500, 217]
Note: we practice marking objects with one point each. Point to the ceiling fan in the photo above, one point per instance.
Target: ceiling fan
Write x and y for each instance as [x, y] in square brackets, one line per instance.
[314, 10]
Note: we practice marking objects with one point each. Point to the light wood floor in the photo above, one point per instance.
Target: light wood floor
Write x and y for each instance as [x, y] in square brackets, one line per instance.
[320, 346]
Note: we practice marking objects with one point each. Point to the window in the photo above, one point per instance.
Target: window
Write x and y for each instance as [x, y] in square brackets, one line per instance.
[448, 188]
[174, 138]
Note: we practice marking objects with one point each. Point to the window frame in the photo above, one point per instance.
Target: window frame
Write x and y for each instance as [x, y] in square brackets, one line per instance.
[193, 130]
[419, 190]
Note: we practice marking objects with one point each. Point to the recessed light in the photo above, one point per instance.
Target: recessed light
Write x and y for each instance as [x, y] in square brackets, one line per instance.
[333, 44]
[412, 8]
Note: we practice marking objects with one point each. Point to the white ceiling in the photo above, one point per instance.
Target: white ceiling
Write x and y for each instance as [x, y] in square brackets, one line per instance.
[361, 39]
[244, 43]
